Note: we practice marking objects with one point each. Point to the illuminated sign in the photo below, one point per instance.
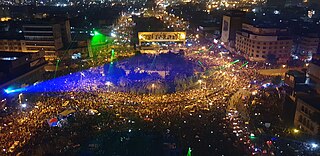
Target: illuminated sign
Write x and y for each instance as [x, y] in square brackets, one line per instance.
[4, 19]
[162, 36]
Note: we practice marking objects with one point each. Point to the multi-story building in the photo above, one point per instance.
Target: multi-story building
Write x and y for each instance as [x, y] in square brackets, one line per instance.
[44, 37]
[294, 77]
[12, 42]
[15, 64]
[303, 90]
[308, 45]
[307, 114]
[231, 23]
[65, 31]
[48, 36]
[313, 75]
[262, 44]
[12, 45]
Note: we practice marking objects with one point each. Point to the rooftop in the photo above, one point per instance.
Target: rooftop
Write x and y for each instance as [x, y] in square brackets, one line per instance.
[296, 73]
[312, 100]
[11, 36]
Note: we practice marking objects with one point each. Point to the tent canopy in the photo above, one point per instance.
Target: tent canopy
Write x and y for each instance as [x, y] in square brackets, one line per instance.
[67, 112]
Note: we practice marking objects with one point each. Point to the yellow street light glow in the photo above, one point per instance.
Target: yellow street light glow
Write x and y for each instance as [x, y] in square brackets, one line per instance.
[183, 36]
[296, 131]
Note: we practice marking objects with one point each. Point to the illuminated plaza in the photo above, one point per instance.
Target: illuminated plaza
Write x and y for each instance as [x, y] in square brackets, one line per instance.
[154, 83]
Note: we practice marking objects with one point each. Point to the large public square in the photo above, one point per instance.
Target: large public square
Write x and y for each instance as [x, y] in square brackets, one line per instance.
[106, 121]
[185, 95]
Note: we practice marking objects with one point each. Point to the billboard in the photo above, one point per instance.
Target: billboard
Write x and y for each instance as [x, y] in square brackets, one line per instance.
[225, 29]
[162, 36]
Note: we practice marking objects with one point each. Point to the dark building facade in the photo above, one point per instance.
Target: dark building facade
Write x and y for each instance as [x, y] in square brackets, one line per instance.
[231, 23]
[47, 36]
[16, 64]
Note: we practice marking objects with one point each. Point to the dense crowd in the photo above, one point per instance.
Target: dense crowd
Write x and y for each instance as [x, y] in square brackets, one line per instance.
[91, 92]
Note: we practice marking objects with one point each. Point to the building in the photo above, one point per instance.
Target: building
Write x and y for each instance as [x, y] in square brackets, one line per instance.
[307, 115]
[264, 44]
[48, 36]
[313, 75]
[65, 31]
[16, 64]
[43, 37]
[231, 23]
[304, 92]
[12, 45]
[308, 45]
[294, 77]
[10, 42]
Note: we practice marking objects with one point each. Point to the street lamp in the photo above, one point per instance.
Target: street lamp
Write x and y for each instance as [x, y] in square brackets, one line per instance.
[200, 82]
[20, 98]
[108, 84]
[81, 76]
[152, 87]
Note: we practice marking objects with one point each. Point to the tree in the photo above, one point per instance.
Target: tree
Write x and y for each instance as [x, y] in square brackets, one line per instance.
[276, 80]
[239, 100]
[271, 58]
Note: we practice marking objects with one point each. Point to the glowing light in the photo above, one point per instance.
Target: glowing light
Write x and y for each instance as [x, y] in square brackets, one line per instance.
[96, 33]
[296, 131]
[189, 152]
[252, 136]
[314, 145]
[23, 105]
[108, 83]
[244, 64]
[113, 35]
[9, 90]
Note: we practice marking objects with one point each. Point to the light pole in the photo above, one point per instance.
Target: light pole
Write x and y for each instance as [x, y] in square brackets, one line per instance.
[200, 82]
[81, 76]
[20, 98]
[152, 88]
[108, 85]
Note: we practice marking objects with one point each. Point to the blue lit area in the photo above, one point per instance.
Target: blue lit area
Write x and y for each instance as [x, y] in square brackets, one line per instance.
[126, 72]
[10, 90]
[71, 82]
